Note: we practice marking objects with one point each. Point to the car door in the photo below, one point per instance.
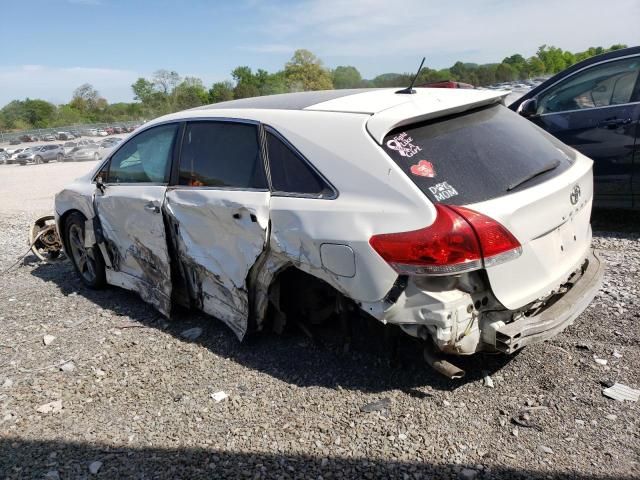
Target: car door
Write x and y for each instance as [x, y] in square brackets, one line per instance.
[218, 215]
[596, 111]
[130, 211]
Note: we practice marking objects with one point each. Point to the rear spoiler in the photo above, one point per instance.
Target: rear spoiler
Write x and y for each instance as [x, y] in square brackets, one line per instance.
[426, 107]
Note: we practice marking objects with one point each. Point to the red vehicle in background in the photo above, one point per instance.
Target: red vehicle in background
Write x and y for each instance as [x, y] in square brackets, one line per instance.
[446, 84]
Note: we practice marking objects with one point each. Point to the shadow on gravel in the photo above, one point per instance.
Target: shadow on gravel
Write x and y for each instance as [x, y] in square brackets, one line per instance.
[34, 459]
[293, 357]
[606, 220]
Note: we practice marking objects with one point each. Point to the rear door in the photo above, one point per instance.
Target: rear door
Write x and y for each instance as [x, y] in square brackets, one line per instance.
[130, 212]
[596, 111]
[218, 215]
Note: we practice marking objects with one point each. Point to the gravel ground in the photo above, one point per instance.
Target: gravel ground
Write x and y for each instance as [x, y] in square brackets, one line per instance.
[132, 398]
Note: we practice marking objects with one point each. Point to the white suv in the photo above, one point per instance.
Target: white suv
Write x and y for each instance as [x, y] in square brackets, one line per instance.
[440, 211]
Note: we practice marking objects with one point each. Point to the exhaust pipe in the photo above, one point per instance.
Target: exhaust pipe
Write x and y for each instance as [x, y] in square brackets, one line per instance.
[440, 365]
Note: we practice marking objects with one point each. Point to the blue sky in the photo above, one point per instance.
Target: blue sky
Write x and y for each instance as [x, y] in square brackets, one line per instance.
[49, 47]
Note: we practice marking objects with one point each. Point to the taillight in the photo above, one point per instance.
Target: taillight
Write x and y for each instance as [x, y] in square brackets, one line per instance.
[459, 240]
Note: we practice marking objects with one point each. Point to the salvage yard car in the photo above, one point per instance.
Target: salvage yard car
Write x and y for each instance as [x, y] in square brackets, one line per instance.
[440, 211]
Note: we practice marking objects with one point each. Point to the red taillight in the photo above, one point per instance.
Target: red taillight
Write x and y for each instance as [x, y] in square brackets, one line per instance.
[458, 241]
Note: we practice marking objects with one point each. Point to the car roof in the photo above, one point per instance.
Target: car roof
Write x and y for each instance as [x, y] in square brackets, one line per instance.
[387, 108]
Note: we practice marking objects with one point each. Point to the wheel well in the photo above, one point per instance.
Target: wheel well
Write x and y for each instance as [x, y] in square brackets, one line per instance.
[63, 225]
[296, 296]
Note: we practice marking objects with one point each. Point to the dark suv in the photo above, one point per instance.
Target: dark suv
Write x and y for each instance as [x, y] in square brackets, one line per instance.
[594, 106]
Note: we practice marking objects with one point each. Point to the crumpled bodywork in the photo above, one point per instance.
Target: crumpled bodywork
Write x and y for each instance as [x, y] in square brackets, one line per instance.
[217, 241]
[134, 238]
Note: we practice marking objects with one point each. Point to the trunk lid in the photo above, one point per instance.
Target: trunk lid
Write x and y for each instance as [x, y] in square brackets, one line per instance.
[554, 232]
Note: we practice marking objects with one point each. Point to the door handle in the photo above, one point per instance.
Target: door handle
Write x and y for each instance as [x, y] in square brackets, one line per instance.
[152, 207]
[614, 122]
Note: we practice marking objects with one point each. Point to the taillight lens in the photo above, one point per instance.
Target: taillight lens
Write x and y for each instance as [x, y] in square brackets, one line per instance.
[460, 240]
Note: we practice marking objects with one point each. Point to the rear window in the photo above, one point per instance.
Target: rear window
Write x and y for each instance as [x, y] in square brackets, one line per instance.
[476, 156]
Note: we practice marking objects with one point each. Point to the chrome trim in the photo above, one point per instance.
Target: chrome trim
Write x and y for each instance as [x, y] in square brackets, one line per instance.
[540, 115]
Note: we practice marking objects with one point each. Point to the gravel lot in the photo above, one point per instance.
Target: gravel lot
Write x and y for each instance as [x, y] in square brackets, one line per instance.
[136, 398]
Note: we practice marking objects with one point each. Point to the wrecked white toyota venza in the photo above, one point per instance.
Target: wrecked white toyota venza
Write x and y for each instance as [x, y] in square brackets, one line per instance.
[439, 211]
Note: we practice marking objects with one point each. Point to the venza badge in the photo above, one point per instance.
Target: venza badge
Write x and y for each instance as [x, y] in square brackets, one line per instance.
[575, 195]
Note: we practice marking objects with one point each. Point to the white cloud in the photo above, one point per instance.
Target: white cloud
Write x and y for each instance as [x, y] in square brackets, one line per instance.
[478, 31]
[56, 84]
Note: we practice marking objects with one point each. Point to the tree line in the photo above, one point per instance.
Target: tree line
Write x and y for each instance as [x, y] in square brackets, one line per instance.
[166, 91]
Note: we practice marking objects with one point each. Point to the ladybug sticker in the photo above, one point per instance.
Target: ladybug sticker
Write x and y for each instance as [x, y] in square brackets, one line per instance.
[423, 169]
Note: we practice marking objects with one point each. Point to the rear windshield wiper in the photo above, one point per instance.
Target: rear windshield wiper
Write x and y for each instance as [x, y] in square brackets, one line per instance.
[546, 168]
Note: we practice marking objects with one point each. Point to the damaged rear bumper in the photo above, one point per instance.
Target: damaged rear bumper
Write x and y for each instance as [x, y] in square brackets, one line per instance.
[551, 321]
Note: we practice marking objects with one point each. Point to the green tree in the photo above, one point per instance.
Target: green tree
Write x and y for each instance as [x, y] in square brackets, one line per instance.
[190, 93]
[85, 98]
[143, 90]
[346, 77]
[552, 57]
[38, 113]
[535, 66]
[221, 92]
[305, 72]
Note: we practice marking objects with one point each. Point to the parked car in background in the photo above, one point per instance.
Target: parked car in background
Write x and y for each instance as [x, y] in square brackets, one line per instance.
[68, 146]
[49, 138]
[110, 142]
[83, 153]
[102, 133]
[594, 106]
[41, 154]
[441, 212]
[446, 84]
[26, 138]
[14, 141]
[64, 136]
[76, 133]
[13, 153]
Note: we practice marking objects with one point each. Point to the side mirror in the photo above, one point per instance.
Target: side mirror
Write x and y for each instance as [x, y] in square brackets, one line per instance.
[100, 184]
[528, 108]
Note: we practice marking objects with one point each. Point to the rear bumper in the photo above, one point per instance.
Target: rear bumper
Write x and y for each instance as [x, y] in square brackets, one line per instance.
[551, 321]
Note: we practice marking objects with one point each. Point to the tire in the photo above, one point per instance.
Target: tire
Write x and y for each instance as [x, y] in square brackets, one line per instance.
[96, 156]
[59, 157]
[87, 262]
[37, 160]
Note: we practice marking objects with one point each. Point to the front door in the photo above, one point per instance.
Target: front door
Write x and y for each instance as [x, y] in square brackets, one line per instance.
[595, 112]
[218, 213]
[130, 212]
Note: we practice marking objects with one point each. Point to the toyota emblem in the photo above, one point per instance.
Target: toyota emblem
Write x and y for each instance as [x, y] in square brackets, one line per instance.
[575, 195]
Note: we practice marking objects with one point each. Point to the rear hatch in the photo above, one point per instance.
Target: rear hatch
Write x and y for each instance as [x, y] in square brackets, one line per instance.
[493, 161]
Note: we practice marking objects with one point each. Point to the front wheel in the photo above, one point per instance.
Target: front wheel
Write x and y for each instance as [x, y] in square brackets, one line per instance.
[87, 261]
[59, 157]
[37, 160]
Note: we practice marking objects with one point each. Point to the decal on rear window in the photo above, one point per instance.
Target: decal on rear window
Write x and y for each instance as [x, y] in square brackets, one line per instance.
[423, 169]
[443, 191]
[402, 144]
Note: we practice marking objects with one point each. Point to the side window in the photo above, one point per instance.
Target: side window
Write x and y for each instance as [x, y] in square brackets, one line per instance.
[146, 158]
[610, 83]
[290, 173]
[221, 154]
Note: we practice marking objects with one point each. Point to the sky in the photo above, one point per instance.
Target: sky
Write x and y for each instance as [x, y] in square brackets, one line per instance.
[50, 47]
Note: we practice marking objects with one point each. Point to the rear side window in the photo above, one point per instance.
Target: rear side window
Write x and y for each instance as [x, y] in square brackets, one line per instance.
[476, 156]
[290, 173]
[221, 154]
